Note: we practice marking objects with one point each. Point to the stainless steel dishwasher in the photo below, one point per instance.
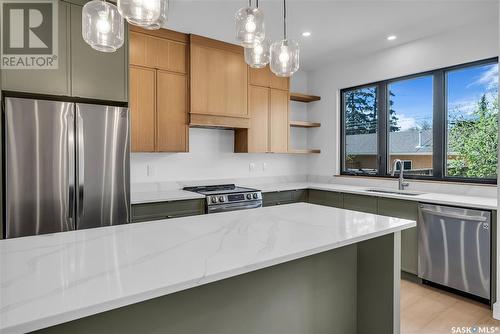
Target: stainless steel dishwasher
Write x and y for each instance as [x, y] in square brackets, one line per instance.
[454, 248]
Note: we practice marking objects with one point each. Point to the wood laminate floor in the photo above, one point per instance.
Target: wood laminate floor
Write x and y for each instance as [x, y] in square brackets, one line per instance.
[427, 310]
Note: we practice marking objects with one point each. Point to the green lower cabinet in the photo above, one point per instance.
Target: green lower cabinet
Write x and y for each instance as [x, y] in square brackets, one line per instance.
[284, 197]
[409, 238]
[327, 198]
[167, 210]
[360, 203]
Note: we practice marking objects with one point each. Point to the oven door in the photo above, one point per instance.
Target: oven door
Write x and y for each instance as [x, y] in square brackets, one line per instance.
[234, 206]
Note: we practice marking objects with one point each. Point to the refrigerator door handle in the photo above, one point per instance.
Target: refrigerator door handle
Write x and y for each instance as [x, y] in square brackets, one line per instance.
[70, 142]
[81, 164]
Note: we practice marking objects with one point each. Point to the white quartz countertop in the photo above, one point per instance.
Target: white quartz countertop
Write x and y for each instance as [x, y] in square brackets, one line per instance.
[162, 196]
[50, 279]
[488, 203]
[479, 202]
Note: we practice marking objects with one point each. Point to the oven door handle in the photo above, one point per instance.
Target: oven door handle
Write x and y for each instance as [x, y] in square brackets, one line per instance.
[234, 207]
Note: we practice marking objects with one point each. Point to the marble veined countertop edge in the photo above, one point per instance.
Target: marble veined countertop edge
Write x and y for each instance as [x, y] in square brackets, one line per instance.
[320, 228]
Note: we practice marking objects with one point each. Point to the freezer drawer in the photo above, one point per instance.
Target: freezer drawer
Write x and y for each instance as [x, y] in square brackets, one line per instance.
[454, 247]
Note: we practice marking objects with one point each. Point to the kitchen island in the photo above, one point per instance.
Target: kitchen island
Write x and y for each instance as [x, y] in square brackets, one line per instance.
[298, 268]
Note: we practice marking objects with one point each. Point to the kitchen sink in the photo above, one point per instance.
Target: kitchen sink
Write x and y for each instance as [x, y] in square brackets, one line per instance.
[395, 192]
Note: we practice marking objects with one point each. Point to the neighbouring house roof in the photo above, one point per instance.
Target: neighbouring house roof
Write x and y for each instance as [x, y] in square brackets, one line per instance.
[403, 142]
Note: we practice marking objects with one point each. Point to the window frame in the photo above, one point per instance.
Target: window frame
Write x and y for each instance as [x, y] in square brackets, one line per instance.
[439, 126]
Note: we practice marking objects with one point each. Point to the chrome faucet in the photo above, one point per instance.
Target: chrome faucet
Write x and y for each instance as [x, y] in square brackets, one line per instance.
[402, 183]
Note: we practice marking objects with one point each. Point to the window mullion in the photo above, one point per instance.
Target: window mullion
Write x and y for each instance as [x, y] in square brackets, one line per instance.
[439, 125]
[382, 127]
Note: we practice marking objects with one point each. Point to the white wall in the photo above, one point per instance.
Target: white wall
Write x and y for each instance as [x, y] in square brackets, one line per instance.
[455, 47]
[211, 155]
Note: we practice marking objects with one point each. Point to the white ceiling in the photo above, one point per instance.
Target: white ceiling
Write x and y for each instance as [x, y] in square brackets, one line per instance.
[339, 29]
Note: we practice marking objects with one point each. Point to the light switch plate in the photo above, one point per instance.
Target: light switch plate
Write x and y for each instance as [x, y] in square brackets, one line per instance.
[251, 167]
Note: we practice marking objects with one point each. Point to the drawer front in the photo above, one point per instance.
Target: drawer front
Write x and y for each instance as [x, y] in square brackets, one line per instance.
[360, 203]
[397, 208]
[285, 197]
[165, 210]
[300, 195]
[277, 198]
[327, 198]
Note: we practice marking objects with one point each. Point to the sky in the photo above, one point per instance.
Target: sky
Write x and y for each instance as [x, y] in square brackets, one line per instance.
[413, 97]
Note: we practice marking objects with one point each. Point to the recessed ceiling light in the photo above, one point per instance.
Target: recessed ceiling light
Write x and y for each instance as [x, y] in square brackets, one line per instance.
[306, 34]
[391, 37]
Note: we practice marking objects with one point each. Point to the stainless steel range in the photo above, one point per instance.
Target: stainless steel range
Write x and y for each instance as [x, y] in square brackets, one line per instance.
[228, 197]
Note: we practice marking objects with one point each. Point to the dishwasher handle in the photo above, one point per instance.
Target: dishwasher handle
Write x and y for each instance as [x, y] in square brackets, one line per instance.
[454, 215]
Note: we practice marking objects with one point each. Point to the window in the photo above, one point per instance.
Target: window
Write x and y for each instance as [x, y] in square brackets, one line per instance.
[410, 124]
[442, 124]
[472, 122]
[361, 118]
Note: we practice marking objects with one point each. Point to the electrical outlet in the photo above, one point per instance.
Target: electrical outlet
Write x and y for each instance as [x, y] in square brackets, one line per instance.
[251, 167]
[150, 170]
[264, 166]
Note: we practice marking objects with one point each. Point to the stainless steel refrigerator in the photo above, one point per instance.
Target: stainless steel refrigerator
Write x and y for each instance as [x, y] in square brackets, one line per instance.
[66, 166]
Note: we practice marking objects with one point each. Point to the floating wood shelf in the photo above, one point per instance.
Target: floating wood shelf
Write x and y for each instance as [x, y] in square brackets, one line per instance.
[304, 124]
[304, 151]
[304, 97]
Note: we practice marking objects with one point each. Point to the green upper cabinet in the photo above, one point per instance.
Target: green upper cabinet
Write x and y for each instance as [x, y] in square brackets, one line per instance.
[53, 81]
[82, 71]
[96, 75]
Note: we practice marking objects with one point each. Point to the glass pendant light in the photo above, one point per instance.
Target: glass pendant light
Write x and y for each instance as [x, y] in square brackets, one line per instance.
[284, 53]
[258, 56]
[143, 13]
[249, 26]
[162, 19]
[102, 26]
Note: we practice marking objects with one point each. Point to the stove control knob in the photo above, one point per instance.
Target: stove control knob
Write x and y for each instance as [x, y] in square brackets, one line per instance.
[213, 199]
[255, 196]
[249, 196]
[221, 198]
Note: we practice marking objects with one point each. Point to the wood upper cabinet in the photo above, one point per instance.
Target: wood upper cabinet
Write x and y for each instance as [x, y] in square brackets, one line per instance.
[255, 138]
[171, 124]
[265, 78]
[142, 108]
[268, 126]
[159, 91]
[278, 121]
[157, 51]
[218, 83]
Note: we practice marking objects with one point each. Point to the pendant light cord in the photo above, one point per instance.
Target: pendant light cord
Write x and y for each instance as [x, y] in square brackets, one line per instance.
[284, 19]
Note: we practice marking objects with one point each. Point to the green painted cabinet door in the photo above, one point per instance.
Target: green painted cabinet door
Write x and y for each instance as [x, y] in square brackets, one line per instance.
[327, 198]
[167, 210]
[284, 197]
[360, 203]
[50, 81]
[94, 74]
[409, 239]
